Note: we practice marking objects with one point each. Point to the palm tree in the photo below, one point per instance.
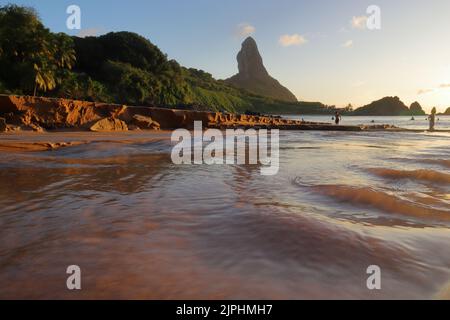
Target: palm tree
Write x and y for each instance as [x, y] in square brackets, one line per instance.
[64, 53]
[30, 55]
[44, 79]
[56, 53]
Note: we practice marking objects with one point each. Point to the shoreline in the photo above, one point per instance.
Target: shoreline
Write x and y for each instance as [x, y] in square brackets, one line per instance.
[80, 122]
[40, 114]
[29, 141]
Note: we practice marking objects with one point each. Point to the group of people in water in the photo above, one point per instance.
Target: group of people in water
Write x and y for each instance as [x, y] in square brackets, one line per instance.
[432, 118]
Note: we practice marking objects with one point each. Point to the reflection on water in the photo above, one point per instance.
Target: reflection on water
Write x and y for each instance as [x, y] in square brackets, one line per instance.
[141, 227]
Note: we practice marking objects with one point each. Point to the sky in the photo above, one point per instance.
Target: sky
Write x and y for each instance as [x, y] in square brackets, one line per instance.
[321, 50]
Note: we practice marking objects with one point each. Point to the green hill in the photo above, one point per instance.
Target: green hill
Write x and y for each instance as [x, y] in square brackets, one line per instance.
[119, 67]
[389, 106]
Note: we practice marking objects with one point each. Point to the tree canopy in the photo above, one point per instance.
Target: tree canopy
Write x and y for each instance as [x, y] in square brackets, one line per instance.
[119, 67]
[31, 57]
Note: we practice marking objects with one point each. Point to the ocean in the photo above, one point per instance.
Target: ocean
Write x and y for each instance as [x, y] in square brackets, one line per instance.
[419, 122]
[140, 227]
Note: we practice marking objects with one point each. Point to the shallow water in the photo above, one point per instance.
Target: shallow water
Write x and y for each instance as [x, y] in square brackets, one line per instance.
[419, 122]
[142, 227]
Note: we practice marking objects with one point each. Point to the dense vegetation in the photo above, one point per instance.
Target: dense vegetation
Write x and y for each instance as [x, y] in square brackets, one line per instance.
[125, 68]
[120, 67]
[31, 57]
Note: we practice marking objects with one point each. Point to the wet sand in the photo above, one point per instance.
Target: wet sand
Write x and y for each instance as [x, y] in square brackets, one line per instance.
[141, 227]
[33, 141]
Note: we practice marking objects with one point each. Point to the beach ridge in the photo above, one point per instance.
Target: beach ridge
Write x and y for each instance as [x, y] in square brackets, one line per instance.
[42, 113]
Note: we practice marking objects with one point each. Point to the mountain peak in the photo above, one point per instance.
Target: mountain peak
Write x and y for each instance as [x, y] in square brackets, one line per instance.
[254, 77]
[249, 40]
[250, 63]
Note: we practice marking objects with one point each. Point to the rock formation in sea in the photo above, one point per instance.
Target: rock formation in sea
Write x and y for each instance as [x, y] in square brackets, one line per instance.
[446, 113]
[387, 106]
[109, 124]
[416, 109]
[254, 77]
[3, 125]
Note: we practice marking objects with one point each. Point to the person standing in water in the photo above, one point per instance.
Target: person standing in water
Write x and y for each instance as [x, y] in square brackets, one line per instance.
[432, 119]
[337, 117]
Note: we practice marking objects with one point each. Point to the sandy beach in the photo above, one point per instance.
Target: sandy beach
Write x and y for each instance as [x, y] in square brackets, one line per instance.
[141, 227]
[32, 141]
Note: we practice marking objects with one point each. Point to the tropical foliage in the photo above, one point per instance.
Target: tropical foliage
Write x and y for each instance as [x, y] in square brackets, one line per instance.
[120, 67]
[31, 57]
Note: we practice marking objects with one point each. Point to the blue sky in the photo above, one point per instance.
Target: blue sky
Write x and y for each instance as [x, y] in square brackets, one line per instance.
[330, 60]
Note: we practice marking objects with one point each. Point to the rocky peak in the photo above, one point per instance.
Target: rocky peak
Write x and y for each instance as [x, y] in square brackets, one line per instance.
[254, 77]
[416, 109]
[250, 63]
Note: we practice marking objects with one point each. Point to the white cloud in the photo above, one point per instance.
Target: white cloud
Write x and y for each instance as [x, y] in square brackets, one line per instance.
[429, 90]
[424, 91]
[245, 30]
[292, 40]
[359, 22]
[90, 32]
[348, 44]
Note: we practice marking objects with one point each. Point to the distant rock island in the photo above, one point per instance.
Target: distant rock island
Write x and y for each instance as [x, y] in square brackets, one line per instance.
[389, 106]
[446, 113]
[254, 77]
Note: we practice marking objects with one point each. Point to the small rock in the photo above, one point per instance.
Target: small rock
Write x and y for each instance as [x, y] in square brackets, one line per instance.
[144, 122]
[133, 127]
[27, 127]
[109, 124]
[12, 128]
[36, 128]
[2, 125]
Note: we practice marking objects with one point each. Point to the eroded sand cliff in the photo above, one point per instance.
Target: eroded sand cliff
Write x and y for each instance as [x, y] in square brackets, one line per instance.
[39, 114]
